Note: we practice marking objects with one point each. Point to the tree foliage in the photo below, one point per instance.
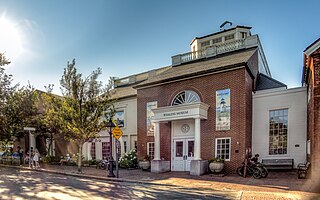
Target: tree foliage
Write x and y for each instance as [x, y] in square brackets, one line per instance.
[17, 106]
[79, 112]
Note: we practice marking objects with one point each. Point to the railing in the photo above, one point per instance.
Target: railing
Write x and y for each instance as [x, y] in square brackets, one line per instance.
[215, 50]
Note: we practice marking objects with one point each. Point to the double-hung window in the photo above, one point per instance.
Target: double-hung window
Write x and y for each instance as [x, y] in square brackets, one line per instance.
[223, 148]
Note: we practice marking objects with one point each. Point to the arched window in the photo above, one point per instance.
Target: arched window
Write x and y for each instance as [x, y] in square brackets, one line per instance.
[186, 97]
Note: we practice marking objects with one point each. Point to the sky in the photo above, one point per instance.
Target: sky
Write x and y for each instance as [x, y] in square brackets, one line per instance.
[125, 37]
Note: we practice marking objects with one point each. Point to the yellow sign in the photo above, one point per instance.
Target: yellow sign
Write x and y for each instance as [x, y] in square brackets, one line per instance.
[117, 132]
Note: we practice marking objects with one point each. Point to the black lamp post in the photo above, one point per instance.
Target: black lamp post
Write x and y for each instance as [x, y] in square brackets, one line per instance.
[110, 125]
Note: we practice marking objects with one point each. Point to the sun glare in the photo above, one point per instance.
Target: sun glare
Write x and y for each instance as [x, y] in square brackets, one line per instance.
[10, 39]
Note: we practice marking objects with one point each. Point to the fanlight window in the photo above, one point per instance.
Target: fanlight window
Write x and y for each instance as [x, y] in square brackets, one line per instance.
[186, 97]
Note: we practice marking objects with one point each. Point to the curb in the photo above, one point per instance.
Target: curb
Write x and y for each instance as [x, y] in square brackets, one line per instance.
[87, 176]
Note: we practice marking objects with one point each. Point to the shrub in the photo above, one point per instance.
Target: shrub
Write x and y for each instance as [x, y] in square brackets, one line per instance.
[129, 160]
[49, 159]
[217, 159]
[93, 162]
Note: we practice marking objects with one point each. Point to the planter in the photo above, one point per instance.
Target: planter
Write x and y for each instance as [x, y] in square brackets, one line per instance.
[216, 167]
[144, 165]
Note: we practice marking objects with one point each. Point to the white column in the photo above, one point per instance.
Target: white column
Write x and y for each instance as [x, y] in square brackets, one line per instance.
[122, 144]
[197, 140]
[156, 141]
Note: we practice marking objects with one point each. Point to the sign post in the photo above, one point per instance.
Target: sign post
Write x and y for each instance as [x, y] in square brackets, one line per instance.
[29, 129]
[117, 133]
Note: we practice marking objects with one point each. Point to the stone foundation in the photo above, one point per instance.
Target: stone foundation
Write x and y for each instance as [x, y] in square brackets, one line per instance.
[160, 166]
[198, 167]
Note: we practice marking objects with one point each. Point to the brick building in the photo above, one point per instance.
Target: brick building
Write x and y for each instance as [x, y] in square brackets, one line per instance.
[218, 100]
[202, 107]
[311, 78]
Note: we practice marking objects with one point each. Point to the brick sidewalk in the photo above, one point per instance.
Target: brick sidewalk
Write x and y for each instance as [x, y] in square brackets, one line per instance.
[278, 185]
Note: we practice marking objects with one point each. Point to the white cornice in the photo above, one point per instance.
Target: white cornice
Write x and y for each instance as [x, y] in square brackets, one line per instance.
[313, 48]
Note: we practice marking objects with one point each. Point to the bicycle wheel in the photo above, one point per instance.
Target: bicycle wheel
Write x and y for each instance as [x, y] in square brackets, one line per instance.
[240, 171]
[257, 172]
[264, 172]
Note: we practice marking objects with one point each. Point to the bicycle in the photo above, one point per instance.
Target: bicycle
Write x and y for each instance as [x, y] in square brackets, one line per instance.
[252, 170]
[264, 170]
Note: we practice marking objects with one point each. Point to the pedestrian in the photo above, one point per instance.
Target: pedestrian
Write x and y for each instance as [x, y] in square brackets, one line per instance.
[36, 158]
[20, 152]
[255, 159]
[31, 154]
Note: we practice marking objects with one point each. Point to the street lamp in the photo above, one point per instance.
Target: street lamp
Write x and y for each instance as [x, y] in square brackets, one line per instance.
[110, 125]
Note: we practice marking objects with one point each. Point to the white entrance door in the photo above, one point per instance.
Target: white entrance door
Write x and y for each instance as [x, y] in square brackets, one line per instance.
[183, 154]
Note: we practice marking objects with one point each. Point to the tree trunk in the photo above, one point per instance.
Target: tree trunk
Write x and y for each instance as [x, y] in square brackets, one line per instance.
[80, 159]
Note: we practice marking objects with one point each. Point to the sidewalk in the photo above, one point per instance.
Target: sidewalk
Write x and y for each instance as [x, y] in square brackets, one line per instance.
[278, 185]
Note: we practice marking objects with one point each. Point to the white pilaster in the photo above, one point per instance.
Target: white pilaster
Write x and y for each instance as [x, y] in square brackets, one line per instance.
[156, 141]
[197, 140]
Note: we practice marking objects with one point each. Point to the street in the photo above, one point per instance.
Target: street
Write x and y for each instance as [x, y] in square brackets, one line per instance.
[25, 184]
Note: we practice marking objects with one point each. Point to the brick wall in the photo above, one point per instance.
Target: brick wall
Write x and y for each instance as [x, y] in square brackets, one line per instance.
[314, 114]
[240, 84]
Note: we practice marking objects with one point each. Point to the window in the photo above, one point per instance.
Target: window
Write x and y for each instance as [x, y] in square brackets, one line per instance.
[222, 148]
[243, 35]
[125, 146]
[278, 131]
[217, 40]
[93, 150]
[185, 97]
[150, 149]
[150, 116]
[206, 43]
[229, 37]
[105, 150]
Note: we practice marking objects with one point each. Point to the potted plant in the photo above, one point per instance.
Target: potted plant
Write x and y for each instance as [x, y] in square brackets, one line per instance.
[216, 165]
[145, 163]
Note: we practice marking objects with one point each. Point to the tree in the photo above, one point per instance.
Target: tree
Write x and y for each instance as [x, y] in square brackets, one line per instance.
[17, 106]
[79, 113]
[17, 112]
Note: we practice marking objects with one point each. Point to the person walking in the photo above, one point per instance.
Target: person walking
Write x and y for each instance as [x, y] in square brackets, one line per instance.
[36, 158]
[20, 152]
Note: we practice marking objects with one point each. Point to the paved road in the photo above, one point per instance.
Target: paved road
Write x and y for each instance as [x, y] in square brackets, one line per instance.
[25, 184]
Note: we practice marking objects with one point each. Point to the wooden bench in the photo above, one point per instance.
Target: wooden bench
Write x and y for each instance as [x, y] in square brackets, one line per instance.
[278, 163]
[303, 170]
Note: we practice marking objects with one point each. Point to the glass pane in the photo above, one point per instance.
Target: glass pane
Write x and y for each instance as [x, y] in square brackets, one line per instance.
[179, 149]
[190, 148]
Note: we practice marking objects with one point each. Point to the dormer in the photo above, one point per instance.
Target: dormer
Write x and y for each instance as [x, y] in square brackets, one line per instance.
[220, 38]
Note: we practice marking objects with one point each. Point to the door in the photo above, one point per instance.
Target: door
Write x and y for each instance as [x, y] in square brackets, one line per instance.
[183, 154]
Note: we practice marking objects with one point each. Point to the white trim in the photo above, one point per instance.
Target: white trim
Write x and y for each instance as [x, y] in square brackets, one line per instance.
[183, 111]
[148, 146]
[288, 130]
[215, 147]
[278, 91]
[312, 49]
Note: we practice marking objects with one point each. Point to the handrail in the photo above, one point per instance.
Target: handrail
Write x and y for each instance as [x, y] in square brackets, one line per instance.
[210, 51]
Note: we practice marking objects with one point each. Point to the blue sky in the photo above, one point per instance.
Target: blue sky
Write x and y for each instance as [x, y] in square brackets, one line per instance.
[124, 37]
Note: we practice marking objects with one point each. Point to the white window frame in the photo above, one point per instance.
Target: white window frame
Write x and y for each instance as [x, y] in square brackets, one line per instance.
[216, 146]
[148, 147]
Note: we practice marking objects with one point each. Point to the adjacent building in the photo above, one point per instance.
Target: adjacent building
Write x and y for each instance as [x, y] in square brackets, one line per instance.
[311, 79]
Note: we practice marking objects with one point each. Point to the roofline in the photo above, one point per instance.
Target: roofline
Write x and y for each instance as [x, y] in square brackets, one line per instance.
[284, 85]
[248, 27]
[312, 47]
[124, 97]
[200, 72]
[193, 75]
[140, 73]
[277, 91]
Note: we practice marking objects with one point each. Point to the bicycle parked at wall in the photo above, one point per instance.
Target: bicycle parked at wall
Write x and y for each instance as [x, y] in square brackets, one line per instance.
[254, 168]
